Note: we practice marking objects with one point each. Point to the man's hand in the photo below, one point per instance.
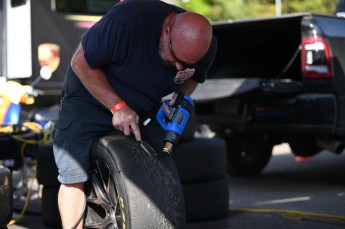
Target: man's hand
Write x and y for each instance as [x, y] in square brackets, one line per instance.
[126, 120]
[166, 107]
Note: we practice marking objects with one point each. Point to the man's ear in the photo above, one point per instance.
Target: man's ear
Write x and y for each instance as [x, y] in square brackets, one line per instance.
[165, 34]
[167, 30]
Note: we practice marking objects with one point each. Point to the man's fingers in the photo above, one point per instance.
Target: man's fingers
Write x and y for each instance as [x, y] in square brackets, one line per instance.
[166, 109]
[136, 131]
[126, 130]
[173, 99]
[126, 121]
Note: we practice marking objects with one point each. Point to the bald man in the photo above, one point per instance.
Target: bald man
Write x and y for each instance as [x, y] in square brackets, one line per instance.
[139, 52]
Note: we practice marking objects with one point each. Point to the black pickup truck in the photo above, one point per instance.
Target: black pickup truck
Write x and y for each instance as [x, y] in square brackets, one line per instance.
[276, 80]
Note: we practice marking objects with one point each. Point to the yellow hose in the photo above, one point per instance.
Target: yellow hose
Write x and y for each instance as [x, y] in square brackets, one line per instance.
[36, 128]
[296, 215]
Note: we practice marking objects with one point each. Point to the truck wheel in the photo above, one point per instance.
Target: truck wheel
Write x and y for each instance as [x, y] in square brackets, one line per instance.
[304, 145]
[130, 189]
[249, 157]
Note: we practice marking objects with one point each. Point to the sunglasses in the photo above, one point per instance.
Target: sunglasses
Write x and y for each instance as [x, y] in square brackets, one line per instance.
[181, 62]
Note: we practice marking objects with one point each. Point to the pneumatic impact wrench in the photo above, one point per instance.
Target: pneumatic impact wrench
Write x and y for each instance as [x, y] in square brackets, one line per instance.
[175, 123]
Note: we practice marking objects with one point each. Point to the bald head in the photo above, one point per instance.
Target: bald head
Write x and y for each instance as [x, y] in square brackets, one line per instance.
[191, 36]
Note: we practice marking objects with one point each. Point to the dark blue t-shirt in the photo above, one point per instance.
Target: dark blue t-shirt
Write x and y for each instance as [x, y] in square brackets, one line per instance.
[125, 44]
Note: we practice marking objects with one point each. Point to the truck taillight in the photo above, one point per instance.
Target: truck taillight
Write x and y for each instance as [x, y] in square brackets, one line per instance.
[316, 58]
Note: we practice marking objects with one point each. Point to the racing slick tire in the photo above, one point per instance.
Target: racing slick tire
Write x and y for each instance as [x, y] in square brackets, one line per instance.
[47, 171]
[50, 210]
[6, 196]
[202, 159]
[202, 166]
[207, 200]
[128, 188]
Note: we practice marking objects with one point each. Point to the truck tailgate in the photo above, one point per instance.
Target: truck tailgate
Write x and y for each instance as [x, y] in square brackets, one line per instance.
[214, 89]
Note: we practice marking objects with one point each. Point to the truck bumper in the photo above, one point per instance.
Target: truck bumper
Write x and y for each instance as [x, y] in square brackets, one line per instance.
[315, 113]
[260, 105]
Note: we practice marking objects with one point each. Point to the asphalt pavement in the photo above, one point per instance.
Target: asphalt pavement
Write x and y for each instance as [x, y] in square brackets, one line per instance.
[287, 194]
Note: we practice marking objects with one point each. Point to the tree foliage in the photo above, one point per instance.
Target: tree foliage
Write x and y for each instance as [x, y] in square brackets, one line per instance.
[217, 10]
[316, 6]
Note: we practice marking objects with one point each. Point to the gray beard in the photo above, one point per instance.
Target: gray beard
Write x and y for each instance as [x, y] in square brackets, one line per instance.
[164, 60]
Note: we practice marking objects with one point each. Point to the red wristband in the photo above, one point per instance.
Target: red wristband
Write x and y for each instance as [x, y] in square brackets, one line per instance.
[118, 106]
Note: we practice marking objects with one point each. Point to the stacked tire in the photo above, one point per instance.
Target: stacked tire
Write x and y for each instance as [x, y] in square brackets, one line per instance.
[6, 197]
[47, 176]
[202, 167]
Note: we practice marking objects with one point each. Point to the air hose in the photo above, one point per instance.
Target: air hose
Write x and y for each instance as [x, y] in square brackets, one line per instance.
[25, 140]
[296, 215]
[26, 204]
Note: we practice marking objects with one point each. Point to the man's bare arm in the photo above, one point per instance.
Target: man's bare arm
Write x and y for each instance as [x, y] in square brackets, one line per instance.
[95, 81]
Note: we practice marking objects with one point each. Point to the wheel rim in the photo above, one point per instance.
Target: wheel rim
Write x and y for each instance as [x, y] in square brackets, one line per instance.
[103, 201]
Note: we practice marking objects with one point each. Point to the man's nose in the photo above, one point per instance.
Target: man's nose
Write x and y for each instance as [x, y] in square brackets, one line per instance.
[179, 66]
